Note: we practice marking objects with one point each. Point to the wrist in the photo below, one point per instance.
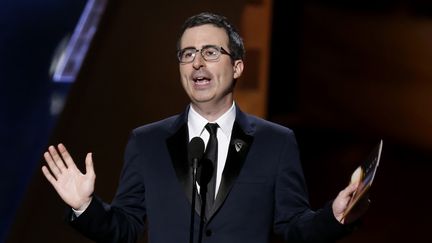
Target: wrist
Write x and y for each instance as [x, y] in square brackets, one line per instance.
[83, 206]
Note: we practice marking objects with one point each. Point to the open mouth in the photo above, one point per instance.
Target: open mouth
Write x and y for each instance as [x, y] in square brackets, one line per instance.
[201, 79]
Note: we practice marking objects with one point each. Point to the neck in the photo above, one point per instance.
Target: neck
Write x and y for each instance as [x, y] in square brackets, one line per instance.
[212, 112]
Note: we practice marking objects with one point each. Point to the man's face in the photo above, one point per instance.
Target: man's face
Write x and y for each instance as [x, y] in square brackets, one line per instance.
[209, 82]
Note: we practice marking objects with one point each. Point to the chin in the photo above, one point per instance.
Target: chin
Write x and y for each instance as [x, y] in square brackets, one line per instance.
[202, 99]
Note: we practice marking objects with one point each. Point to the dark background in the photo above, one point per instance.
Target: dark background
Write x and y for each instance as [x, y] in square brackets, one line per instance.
[341, 75]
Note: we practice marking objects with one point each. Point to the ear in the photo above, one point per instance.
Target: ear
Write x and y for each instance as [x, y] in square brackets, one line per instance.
[238, 68]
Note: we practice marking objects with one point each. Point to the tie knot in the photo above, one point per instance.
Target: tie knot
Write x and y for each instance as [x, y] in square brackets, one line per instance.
[212, 128]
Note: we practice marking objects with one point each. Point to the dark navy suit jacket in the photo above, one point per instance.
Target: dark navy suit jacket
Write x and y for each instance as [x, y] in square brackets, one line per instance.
[262, 190]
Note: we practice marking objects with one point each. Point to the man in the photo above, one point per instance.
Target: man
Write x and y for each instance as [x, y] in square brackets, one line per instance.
[257, 179]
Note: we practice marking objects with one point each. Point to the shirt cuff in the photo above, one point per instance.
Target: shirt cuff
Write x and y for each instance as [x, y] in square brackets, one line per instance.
[77, 213]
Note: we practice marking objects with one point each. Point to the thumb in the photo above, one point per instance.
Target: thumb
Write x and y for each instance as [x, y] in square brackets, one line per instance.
[350, 189]
[89, 164]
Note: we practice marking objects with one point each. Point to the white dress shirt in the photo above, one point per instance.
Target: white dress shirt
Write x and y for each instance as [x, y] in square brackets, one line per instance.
[196, 127]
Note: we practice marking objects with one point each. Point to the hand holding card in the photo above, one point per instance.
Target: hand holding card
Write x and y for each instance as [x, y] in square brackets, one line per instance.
[364, 175]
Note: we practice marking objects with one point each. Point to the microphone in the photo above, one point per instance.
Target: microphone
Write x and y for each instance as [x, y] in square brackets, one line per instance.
[195, 153]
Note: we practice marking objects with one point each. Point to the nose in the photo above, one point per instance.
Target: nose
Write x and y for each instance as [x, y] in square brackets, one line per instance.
[199, 61]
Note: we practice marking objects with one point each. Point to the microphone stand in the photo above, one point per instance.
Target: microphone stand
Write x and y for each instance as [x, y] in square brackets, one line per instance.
[205, 176]
[203, 192]
[195, 153]
[194, 192]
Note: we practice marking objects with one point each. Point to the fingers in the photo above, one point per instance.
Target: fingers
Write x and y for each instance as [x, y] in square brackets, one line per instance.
[48, 175]
[66, 156]
[58, 161]
[52, 165]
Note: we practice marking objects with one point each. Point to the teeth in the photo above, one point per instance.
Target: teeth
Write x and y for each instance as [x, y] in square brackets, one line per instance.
[200, 79]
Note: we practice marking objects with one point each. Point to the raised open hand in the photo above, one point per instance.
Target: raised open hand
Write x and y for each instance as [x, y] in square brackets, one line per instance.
[74, 187]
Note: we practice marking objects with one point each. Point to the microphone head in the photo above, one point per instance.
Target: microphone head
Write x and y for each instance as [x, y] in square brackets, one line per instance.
[195, 149]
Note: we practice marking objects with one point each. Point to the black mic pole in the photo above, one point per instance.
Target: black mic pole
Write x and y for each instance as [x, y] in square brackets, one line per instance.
[205, 175]
[194, 191]
[195, 152]
[203, 193]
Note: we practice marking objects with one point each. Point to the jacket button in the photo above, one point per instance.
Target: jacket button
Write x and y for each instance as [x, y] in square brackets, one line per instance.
[208, 232]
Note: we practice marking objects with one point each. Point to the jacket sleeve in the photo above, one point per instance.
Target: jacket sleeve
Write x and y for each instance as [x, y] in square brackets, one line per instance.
[294, 220]
[124, 219]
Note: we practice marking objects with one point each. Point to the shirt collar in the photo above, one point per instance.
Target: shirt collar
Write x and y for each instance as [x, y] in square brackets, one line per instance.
[196, 122]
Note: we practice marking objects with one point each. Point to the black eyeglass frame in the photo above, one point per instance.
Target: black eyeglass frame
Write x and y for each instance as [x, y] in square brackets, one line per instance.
[220, 49]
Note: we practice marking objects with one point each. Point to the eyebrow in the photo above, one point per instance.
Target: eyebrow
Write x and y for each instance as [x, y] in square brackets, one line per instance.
[204, 46]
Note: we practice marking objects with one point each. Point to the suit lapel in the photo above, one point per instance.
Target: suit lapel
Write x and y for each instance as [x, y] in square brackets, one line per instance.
[241, 140]
[177, 147]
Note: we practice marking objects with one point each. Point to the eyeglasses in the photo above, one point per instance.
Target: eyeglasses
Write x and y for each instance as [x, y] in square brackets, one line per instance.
[210, 53]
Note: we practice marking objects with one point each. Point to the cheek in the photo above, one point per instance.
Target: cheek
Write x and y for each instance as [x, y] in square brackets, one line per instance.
[226, 77]
[182, 71]
[183, 75]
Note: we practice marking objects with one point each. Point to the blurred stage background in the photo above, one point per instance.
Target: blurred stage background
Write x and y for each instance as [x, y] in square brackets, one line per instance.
[341, 74]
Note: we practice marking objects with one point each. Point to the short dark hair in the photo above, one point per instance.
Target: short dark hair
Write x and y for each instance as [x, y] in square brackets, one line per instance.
[235, 44]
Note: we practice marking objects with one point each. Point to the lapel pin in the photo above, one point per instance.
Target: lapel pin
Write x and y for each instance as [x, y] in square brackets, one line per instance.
[238, 145]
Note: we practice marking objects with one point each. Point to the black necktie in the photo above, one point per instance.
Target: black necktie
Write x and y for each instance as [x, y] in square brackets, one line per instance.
[211, 154]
